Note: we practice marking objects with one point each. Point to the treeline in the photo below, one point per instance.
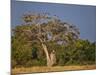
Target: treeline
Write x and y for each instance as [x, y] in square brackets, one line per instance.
[79, 52]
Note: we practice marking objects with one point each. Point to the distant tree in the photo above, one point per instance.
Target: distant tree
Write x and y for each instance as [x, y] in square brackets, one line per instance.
[43, 29]
[21, 49]
[82, 52]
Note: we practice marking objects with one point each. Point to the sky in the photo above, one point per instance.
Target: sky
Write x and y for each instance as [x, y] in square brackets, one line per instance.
[82, 16]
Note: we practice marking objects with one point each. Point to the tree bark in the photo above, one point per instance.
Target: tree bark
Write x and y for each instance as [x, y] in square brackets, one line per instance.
[47, 55]
[46, 52]
[51, 59]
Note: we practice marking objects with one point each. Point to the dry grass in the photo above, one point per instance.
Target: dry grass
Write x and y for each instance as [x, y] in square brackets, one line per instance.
[51, 69]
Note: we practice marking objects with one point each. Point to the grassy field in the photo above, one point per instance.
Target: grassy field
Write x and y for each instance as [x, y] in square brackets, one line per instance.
[51, 69]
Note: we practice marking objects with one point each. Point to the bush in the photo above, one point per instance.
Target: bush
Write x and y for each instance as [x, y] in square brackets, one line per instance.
[14, 63]
[35, 63]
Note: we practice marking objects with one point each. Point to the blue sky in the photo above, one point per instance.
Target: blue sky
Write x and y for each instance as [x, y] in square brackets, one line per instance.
[84, 17]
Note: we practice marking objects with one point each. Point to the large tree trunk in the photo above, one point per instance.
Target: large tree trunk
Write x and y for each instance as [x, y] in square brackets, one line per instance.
[47, 55]
[51, 58]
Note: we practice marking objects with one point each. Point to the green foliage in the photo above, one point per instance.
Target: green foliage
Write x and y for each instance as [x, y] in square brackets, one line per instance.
[14, 64]
[82, 52]
[21, 49]
[35, 62]
[27, 50]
